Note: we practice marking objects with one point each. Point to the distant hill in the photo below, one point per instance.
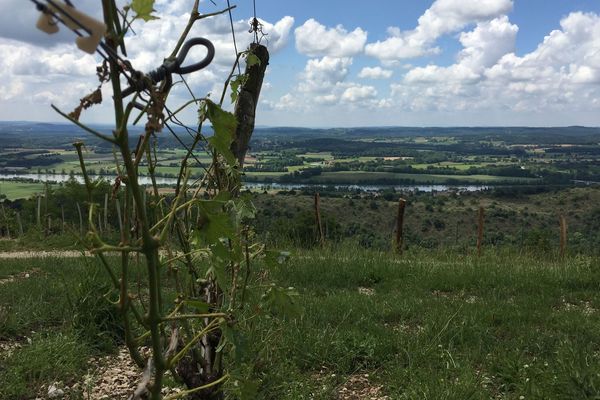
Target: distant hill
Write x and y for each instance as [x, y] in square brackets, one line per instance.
[15, 133]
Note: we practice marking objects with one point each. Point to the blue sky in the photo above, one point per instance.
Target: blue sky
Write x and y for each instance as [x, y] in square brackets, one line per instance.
[348, 63]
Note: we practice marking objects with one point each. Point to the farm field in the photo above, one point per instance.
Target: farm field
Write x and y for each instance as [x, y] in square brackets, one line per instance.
[355, 177]
[19, 190]
[484, 156]
[426, 325]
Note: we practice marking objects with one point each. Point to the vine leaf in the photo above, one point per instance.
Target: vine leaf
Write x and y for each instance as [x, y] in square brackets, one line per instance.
[214, 222]
[283, 302]
[200, 306]
[239, 81]
[252, 60]
[144, 9]
[224, 125]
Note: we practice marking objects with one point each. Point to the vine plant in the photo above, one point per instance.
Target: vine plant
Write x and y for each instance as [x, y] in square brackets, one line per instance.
[200, 295]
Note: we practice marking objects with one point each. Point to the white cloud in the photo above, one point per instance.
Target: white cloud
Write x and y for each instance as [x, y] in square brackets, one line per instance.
[560, 74]
[482, 48]
[49, 68]
[321, 75]
[316, 40]
[375, 73]
[443, 17]
[358, 93]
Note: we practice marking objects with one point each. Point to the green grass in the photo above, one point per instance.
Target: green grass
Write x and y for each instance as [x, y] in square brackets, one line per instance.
[321, 155]
[50, 357]
[432, 325]
[439, 327]
[461, 166]
[19, 190]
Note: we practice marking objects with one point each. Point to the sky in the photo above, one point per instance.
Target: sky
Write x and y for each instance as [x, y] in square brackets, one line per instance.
[339, 63]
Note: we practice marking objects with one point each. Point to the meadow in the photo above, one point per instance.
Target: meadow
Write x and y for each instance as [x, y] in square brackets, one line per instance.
[425, 325]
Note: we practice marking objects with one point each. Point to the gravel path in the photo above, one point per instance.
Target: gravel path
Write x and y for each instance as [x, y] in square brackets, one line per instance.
[43, 254]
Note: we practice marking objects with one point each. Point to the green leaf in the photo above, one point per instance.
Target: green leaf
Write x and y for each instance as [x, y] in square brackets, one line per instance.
[214, 221]
[280, 301]
[200, 306]
[224, 126]
[244, 209]
[215, 227]
[144, 9]
[252, 60]
[239, 81]
[237, 340]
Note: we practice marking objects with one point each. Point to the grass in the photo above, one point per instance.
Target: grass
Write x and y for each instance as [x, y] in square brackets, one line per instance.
[439, 327]
[19, 190]
[37, 311]
[427, 325]
[48, 358]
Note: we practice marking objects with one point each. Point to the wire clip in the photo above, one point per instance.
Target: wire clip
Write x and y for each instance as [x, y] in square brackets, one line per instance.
[73, 19]
[173, 66]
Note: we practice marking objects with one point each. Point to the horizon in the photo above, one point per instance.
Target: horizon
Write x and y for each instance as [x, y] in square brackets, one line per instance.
[67, 123]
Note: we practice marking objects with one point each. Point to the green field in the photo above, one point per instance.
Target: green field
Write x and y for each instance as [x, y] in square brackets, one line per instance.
[18, 190]
[352, 177]
[436, 325]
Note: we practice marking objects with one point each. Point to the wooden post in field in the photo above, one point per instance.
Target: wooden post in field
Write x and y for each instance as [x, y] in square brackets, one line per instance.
[106, 211]
[99, 223]
[80, 219]
[62, 214]
[6, 221]
[400, 225]
[118, 207]
[19, 223]
[39, 212]
[563, 235]
[318, 218]
[480, 230]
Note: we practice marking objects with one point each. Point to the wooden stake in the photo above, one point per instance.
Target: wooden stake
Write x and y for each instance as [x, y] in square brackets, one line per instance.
[62, 214]
[400, 225]
[80, 219]
[118, 207]
[106, 211]
[563, 235]
[39, 212]
[247, 101]
[19, 223]
[480, 231]
[6, 221]
[318, 219]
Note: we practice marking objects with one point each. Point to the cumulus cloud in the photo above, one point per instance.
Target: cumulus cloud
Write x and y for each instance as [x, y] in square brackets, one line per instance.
[375, 73]
[40, 66]
[559, 74]
[443, 17]
[357, 93]
[323, 74]
[316, 40]
[482, 48]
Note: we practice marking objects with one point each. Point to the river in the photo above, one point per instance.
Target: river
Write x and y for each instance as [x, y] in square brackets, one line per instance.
[144, 180]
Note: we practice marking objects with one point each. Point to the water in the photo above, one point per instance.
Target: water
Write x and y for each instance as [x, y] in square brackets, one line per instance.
[60, 178]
